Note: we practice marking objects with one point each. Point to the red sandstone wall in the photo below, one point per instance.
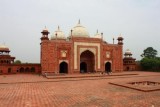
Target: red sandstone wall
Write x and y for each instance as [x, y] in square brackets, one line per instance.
[116, 56]
[15, 68]
[51, 55]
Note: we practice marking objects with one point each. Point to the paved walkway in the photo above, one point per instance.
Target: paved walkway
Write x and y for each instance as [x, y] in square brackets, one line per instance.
[28, 90]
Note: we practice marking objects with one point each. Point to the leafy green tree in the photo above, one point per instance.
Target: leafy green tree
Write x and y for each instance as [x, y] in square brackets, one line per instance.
[17, 62]
[150, 64]
[145, 63]
[149, 53]
[149, 60]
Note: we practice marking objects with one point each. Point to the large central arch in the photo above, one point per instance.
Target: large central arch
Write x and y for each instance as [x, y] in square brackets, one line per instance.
[87, 61]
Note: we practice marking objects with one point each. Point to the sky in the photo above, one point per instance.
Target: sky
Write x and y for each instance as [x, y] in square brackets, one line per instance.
[21, 22]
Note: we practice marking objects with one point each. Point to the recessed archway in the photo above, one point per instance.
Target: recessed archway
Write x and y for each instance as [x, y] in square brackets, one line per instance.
[107, 67]
[21, 69]
[32, 69]
[83, 67]
[87, 61]
[27, 69]
[63, 67]
[9, 70]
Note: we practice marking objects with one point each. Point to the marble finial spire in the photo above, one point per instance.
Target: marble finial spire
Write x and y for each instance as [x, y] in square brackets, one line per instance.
[79, 22]
[58, 27]
[120, 35]
[97, 31]
[45, 28]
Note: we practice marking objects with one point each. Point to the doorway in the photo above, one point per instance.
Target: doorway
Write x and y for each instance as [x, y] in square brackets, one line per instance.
[63, 67]
[108, 67]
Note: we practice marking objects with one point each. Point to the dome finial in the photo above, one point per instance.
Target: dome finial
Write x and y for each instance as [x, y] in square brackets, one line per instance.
[120, 35]
[45, 28]
[58, 27]
[79, 22]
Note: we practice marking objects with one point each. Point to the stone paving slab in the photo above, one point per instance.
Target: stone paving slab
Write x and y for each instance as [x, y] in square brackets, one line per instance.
[76, 92]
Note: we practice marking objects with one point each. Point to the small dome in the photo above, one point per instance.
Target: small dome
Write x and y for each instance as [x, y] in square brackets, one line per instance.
[128, 52]
[59, 34]
[79, 31]
[120, 37]
[97, 35]
[4, 48]
[45, 30]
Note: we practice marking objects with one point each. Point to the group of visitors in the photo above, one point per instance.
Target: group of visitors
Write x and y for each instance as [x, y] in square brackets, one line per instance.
[109, 72]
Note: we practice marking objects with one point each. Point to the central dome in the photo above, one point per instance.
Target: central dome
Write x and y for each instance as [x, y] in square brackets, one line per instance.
[79, 31]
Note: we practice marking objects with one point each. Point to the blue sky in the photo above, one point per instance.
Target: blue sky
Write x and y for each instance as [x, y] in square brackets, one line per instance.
[21, 22]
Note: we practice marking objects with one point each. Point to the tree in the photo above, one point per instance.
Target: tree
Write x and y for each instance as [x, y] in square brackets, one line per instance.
[17, 62]
[145, 63]
[149, 60]
[150, 64]
[149, 53]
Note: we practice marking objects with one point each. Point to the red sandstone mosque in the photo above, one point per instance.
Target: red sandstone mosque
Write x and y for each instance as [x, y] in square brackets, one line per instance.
[77, 53]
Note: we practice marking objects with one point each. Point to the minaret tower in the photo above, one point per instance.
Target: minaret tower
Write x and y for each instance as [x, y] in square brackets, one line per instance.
[44, 49]
[120, 52]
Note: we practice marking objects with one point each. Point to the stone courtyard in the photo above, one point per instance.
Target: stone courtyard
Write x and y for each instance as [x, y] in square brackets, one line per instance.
[77, 90]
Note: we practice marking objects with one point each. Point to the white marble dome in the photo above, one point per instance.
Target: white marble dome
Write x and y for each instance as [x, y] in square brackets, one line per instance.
[60, 34]
[79, 31]
[128, 52]
[4, 48]
[97, 35]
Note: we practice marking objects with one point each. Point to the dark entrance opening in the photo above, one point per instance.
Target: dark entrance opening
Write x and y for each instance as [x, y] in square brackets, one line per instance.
[21, 70]
[128, 69]
[63, 67]
[83, 67]
[87, 61]
[27, 70]
[32, 69]
[108, 67]
[9, 70]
